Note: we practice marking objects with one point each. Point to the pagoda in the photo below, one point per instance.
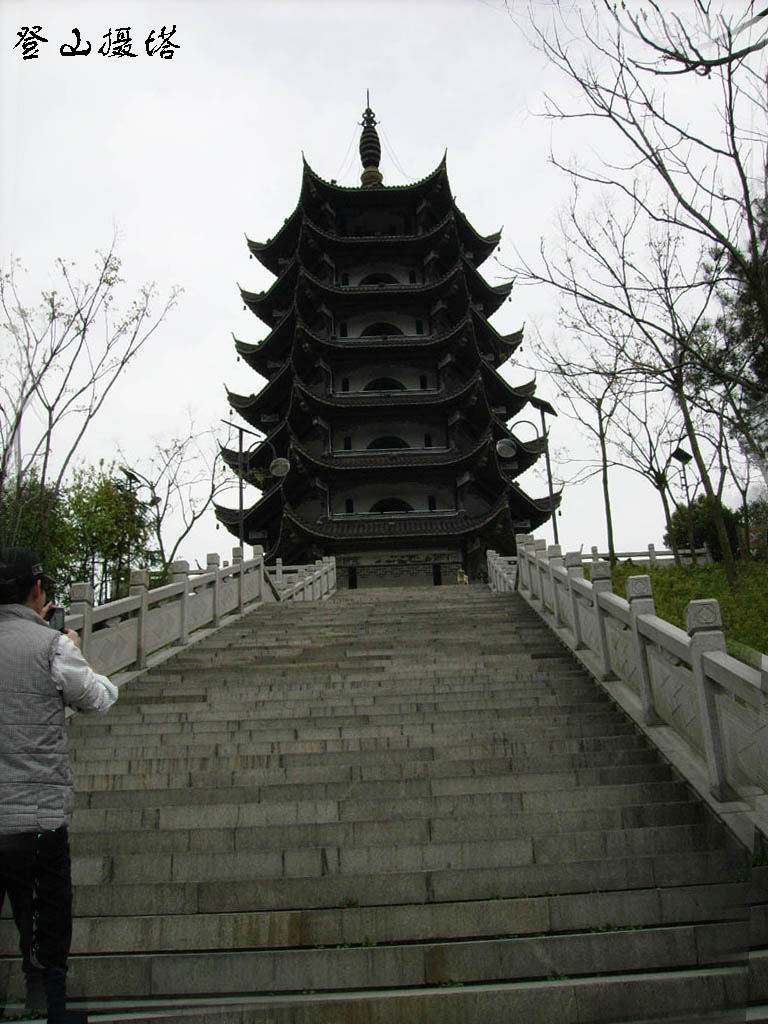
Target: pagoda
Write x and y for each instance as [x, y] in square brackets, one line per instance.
[383, 392]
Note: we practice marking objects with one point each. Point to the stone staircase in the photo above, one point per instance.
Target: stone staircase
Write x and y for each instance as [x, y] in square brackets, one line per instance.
[395, 806]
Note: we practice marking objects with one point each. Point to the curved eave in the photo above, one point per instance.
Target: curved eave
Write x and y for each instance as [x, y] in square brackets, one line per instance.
[267, 507]
[275, 347]
[480, 245]
[490, 296]
[331, 190]
[262, 453]
[538, 510]
[496, 387]
[263, 303]
[274, 393]
[281, 246]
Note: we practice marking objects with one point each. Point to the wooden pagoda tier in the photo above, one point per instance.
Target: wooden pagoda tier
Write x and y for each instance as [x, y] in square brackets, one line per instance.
[382, 386]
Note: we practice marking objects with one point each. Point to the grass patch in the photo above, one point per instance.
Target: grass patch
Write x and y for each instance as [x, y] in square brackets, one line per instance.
[744, 609]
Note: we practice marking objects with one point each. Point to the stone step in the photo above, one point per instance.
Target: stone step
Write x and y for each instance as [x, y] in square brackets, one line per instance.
[607, 912]
[149, 837]
[114, 788]
[416, 710]
[399, 966]
[444, 818]
[468, 725]
[93, 774]
[620, 743]
[409, 887]
[480, 851]
[417, 805]
[694, 994]
[240, 806]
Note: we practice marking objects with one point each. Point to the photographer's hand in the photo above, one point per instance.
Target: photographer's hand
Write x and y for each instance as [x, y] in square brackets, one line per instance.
[73, 636]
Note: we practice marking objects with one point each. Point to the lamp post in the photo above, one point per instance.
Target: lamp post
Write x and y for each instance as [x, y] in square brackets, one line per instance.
[136, 480]
[683, 457]
[279, 467]
[506, 449]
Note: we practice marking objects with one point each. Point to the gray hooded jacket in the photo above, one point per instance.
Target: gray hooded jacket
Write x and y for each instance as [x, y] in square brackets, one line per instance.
[35, 776]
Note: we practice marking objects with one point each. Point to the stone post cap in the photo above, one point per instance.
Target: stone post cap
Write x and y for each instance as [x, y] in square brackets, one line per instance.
[703, 615]
[212, 558]
[573, 560]
[139, 578]
[258, 551]
[639, 587]
[180, 568]
[554, 551]
[237, 555]
[81, 592]
[523, 540]
[540, 544]
[600, 571]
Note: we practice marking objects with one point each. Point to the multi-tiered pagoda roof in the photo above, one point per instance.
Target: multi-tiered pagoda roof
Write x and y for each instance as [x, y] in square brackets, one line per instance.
[382, 386]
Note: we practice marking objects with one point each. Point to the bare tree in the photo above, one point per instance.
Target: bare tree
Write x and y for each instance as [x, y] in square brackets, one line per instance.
[181, 479]
[58, 363]
[646, 428]
[592, 385]
[637, 287]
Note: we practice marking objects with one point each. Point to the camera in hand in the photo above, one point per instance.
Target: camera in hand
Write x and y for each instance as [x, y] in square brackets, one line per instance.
[57, 618]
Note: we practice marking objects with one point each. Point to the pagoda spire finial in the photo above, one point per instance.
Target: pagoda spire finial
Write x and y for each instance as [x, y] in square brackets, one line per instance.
[370, 147]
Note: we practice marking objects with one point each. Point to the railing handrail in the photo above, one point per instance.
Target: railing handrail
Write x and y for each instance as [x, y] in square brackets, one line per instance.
[122, 634]
[674, 680]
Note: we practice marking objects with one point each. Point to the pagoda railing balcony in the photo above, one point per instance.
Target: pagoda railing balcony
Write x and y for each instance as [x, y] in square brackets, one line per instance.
[386, 394]
[357, 452]
[416, 513]
[404, 338]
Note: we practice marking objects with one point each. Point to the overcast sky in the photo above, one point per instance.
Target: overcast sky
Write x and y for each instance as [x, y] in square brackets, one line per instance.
[184, 157]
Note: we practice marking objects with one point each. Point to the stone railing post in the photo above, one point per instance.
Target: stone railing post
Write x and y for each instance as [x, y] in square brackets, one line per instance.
[575, 571]
[81, 603]
[237, 560]
[594, 553]
[489, 557]
[317, 580]
[212, 564]
[651, 555]
[539, 549]
[640, 599]
[703, 623]
[555, 559]
[138, 588]
[600, 576]
[523, 565]
[180, 572]
[278, 572]
[258, 553]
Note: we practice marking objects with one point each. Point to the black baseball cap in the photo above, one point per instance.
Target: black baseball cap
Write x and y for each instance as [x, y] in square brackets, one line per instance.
[21, 567]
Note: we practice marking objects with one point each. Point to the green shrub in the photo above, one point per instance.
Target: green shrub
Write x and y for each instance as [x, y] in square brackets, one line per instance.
[744, 609]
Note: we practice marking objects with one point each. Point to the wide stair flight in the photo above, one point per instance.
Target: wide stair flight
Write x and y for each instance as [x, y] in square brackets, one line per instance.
[405, 805]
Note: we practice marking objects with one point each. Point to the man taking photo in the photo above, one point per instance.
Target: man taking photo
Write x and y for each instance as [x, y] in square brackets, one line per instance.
[41, 673]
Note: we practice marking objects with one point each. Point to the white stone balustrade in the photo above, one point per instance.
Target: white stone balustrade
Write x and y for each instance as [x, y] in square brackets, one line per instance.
[124, 634]
[707, 711]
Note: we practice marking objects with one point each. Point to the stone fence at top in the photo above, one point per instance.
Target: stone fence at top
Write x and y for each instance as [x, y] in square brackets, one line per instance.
[706, 711]
[123, 634]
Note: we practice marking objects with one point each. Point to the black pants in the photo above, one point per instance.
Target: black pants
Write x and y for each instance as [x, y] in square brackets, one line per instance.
[35, 872]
